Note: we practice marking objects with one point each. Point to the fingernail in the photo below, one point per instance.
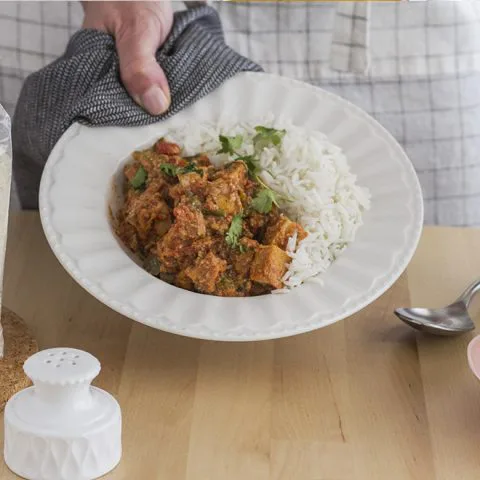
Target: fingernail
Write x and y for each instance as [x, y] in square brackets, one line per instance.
[154, 100]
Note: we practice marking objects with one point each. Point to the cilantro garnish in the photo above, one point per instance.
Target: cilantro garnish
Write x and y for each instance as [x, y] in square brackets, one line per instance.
[266, 197]
[191, 168]
[230, 144]
[252, 164]
[266, 137]
[264, 200]
[234, 231]
[174, 170]
[139, 179]
[169, 169]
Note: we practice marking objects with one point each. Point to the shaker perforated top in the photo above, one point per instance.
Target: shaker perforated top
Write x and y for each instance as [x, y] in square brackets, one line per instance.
[62, 366]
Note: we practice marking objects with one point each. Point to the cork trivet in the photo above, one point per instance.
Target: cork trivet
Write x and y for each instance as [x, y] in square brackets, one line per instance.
[19, 345]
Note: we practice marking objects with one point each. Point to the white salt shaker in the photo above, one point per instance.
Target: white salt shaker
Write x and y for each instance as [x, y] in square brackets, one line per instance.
[62, 428]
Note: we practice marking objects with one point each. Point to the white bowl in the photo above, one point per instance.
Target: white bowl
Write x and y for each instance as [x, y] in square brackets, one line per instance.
[76, 191]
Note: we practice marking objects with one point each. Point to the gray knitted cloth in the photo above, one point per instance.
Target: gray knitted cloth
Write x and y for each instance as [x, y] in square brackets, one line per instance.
[84, 86]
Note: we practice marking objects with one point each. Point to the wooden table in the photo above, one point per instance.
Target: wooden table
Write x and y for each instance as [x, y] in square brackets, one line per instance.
[364, 399]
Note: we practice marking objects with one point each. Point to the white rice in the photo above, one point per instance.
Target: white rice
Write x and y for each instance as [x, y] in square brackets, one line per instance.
[313, 178]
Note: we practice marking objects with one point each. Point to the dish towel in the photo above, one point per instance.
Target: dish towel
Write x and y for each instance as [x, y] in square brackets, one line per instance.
[84, 86]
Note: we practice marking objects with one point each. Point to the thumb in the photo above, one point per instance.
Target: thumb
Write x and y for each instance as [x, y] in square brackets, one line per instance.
[142, 76]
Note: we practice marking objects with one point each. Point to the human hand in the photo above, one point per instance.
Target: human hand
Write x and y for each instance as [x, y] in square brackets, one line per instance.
[139, 29]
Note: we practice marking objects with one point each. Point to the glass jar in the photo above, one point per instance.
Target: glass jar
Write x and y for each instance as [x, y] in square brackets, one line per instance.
[5, 182]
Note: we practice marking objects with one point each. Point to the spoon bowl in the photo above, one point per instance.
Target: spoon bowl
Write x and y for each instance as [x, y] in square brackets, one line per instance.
[451, 320]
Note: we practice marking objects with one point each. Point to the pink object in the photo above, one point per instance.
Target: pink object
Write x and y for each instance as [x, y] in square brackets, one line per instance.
[473, 353]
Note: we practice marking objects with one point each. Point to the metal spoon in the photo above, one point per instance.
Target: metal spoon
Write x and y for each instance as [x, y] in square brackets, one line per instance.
[451, 320]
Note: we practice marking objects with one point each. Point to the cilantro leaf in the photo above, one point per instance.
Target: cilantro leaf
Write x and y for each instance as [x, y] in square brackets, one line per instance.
[234, 231]
[174, 170]
[190, 168]
[266, 137]
[139, 179]
[230, 144]
[169, 169]
[264, 200]
[252, 164]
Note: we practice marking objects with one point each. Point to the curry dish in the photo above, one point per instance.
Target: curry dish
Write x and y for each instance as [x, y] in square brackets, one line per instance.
[212, 230]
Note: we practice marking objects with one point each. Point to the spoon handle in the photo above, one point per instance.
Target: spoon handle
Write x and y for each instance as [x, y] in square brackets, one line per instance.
[471, 290]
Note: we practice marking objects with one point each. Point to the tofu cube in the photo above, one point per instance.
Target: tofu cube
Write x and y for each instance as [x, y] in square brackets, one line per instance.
[206, 272]
[279, 233]
[223, 196]
[269, 266]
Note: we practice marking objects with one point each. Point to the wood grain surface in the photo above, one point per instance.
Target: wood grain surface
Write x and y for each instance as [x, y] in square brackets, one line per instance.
[366, 398]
